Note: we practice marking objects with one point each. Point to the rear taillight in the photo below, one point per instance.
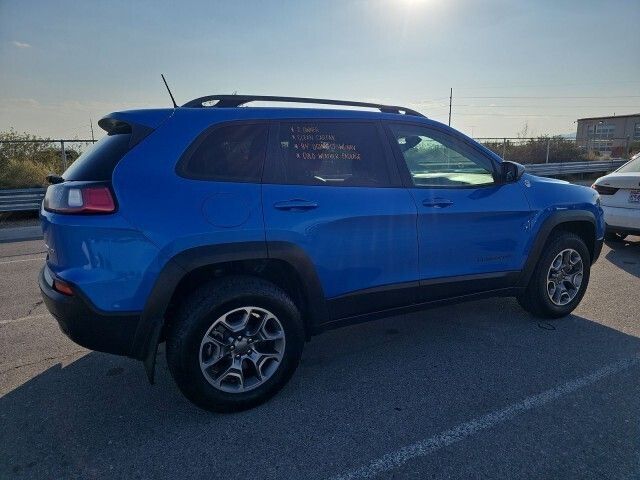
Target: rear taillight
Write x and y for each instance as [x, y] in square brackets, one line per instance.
[603, 190]
[79, 197]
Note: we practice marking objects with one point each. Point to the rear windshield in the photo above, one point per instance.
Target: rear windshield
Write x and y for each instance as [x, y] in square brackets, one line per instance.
[99, 161]
[632, 167]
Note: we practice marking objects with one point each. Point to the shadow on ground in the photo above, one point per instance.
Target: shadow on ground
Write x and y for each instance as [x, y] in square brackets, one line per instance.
[359, 393]
[626, 254]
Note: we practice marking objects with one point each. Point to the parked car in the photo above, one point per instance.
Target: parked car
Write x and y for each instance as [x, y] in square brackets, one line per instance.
[235, 234]
[620, 196]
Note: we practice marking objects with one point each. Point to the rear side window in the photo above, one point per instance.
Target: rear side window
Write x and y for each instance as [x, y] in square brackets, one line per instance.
[231, 153]
[99, 161]
[330, 154]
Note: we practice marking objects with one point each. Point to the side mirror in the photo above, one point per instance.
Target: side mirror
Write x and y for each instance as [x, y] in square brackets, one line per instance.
[510, 171]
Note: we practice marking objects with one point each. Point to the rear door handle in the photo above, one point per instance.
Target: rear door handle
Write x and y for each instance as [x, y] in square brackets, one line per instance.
[437, 202]
[295, 204]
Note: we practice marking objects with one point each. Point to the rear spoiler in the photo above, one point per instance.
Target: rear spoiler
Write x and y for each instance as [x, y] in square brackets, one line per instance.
[139, 123]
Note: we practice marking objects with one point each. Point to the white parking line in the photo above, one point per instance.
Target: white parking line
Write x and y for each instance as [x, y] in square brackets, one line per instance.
[22, 319]
[425, 447]
[23, 260]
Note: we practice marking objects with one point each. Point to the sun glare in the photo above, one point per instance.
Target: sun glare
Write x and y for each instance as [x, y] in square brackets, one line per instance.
[412, 3]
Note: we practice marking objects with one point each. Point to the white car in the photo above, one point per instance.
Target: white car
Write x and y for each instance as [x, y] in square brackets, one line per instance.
[620, 197]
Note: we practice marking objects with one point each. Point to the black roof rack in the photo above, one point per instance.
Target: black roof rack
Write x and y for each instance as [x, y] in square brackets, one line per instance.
[231, 101]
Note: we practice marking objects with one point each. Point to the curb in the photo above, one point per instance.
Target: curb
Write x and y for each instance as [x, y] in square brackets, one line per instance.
[20, 234]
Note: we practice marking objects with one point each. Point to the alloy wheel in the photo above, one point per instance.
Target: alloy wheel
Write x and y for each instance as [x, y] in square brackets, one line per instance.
[242, 349]
[564, 277]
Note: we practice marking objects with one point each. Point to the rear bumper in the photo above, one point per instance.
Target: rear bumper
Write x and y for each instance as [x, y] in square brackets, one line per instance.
[88, 327]
[618, 218]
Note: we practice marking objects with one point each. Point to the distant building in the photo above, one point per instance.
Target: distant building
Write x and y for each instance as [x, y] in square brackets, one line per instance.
[609, 136]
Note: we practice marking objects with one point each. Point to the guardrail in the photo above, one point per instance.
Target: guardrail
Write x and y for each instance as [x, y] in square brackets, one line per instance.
[569, 168]
[21, 200]
[29, 199]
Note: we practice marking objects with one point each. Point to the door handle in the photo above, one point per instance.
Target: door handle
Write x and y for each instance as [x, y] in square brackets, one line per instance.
[437, 202]
[295, 204]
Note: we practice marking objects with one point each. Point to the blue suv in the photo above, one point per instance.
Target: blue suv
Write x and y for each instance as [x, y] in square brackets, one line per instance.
[235, 234]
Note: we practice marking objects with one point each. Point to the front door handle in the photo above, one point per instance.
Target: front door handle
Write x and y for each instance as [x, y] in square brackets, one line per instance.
[437, 202]
[295, 204]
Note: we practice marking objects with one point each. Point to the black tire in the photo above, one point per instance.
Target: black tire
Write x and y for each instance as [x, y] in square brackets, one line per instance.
[535, 299]
[198, 312]
[614, 236]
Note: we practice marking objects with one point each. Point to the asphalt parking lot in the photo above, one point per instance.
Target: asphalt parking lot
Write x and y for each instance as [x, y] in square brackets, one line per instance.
[477, 390]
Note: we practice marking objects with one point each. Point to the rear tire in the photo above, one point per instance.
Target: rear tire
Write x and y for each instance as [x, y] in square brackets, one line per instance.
[552, 290]
[249, 333]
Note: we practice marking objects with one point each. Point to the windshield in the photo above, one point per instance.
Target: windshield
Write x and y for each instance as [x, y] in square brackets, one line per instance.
[631, 167]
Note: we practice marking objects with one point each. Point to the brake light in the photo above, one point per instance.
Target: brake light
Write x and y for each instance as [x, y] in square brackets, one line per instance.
[603, 190]
[79, 198]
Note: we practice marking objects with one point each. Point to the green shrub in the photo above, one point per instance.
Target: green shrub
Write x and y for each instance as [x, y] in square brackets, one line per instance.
[26, 164]
[534, 150]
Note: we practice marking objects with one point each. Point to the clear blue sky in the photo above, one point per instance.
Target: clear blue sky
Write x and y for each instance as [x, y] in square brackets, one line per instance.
[64, 61]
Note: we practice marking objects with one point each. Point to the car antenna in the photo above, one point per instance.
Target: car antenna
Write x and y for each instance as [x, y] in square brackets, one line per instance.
[175, 105]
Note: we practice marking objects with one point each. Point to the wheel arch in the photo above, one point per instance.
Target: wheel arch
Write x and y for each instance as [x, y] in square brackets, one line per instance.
[284, 264]
[582, 223]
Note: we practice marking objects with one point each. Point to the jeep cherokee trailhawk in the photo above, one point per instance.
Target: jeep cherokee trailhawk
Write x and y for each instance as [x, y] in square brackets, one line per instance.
[235, 234]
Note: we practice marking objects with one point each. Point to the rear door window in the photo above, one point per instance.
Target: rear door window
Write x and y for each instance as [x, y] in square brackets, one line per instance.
[330, 154]
[230, 153]
[99, 161]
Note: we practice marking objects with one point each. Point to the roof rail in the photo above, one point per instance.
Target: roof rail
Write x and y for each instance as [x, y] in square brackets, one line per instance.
[231, 101]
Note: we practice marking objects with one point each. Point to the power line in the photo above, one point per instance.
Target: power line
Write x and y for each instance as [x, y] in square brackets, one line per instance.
[558, 97]
[450, 100]
[546, 106]
[624, 82]
[482, 114]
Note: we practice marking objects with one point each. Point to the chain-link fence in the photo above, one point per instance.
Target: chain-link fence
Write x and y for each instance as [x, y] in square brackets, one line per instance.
[26, 163]
[560, 149]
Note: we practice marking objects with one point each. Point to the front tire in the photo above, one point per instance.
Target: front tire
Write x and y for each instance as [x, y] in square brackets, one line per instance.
[560, 278]
[234, 343]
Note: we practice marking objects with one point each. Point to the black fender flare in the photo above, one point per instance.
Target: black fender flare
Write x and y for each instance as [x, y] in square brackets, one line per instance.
[152, 320]
[552, 221]
[317, 307]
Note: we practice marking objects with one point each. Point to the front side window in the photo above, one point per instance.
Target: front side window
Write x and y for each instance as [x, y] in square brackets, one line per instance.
[330, 154]
[438, 160]
[231, 153]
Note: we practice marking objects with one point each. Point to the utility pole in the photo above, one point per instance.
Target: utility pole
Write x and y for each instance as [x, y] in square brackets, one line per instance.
[91, 125]
[450, 99]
